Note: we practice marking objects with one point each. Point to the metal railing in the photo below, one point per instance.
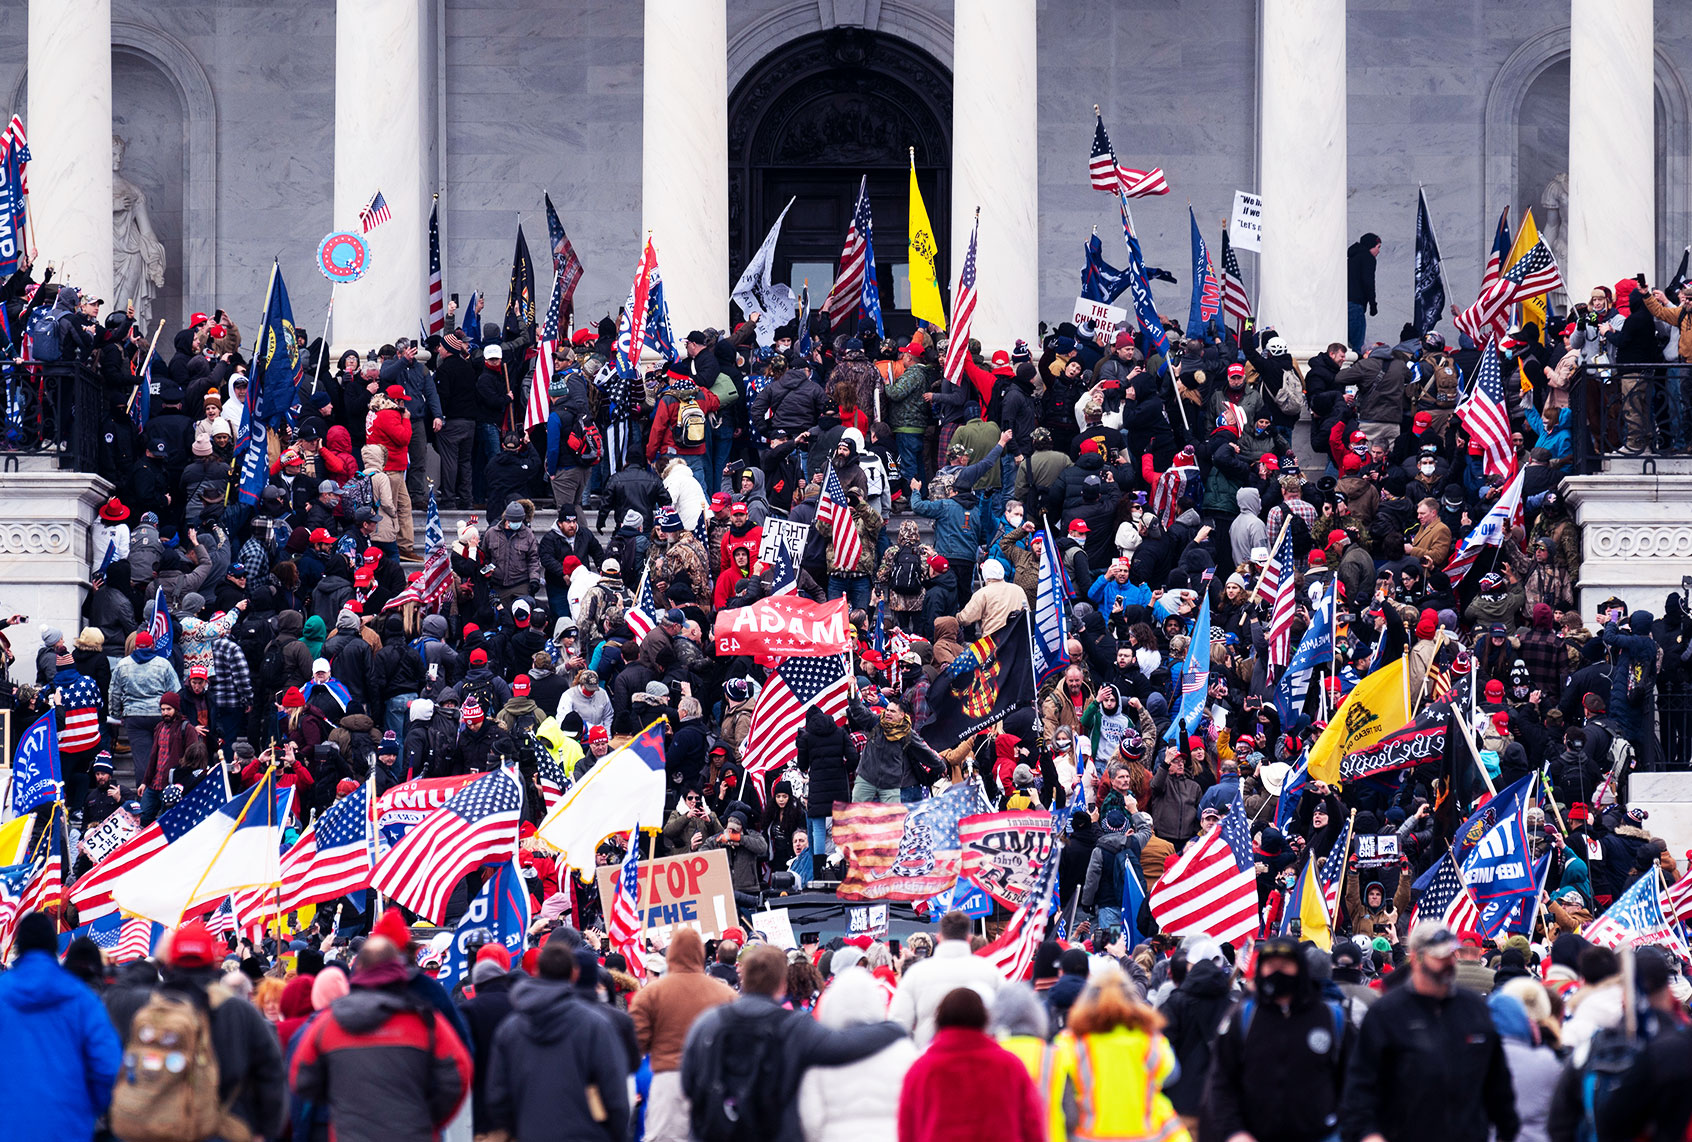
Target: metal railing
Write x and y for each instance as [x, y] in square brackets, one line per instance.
[1630, 412]
[52, 410]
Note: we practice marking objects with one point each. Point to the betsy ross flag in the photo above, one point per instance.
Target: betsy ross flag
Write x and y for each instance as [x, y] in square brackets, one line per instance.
[837, 513]
[1483, 413]
[1236, 302]
[624, 926]
[855, 289]
[1500, 252]
[1534, 273]
[92, 893]
[1279, 588]
[963, 310]
[1106, 174]
[539, 404]
[643, 616]
[1211, 888]
[779, 713]
[375, 212]
[332, 857]
[1013, 952]
[1490, 531]
[477, 826]
[437, 304]
[1446, 900]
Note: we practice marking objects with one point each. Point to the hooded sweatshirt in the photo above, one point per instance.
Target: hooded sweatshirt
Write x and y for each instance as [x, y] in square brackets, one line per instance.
[1248, 530]
[664, 1010]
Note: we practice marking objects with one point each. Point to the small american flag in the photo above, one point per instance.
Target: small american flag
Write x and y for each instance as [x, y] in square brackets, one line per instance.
[1447, 900]
[643, 616]
[81, 704]
[855, 286]
[374, 213]
[1680, 897]
[1013, 952]
[136, 941]
[1236, 303]
[549, 772]
[1107, 174]
[1500, 250]
[476, 826]
[837, 513]
[624, 925]
[1331, 871]
[333, 856]
[772, 739]
[1534, 273]
[1279, 588]
[539, 404]
[963, 310]
[46, 889]
[1211, 888]
[1483, 413]
[437, 302]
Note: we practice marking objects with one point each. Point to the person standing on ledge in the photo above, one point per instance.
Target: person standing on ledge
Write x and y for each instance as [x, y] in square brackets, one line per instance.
[1360, 288]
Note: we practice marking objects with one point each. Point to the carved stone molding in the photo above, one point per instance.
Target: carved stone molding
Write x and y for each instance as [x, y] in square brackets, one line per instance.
[1612, 541]
[35, 538]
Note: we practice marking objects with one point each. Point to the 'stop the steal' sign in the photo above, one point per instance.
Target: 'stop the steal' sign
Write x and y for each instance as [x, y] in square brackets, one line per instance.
[693, 890]
[1245, 228]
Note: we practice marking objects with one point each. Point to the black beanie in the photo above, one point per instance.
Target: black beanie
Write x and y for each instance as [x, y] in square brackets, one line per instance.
[37, 933]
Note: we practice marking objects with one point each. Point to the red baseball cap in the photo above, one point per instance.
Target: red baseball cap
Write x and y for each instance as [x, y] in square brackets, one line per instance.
[1078, 527]
[719, 502]
[1090, 444]
[1270, 460]
[478, 657]
[1001, 362]
[1337, 536]
[193, 946]
[395, 392]
[1422, 420]
[598, 734]
[520, 685]
[196, 672]
[321, 535]
[496, 953]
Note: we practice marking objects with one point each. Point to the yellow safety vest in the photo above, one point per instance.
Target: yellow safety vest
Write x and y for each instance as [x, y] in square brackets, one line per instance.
[1117, 1078]
[1037, 1057]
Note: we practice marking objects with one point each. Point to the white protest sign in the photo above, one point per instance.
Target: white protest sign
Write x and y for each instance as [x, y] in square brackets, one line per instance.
[1098, 317]
[783, 531]
[776, 926]
[99, 841]
[1245, 227]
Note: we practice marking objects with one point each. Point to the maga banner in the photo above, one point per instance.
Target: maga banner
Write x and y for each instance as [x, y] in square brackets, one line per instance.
[783, 625]
[1003, 852]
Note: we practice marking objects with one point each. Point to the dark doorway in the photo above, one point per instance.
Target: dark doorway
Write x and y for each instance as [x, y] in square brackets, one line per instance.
[810, 121]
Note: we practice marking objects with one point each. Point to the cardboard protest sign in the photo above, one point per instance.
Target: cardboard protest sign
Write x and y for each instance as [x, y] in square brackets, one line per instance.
[777, 533]
[693, 890]
[1099, 316]
[98, 842]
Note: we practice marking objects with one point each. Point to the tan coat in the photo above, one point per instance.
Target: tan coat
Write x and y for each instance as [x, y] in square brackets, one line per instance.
[993, 605]
[665, 1009]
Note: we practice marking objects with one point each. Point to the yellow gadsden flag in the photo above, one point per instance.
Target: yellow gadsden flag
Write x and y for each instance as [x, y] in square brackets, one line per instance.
[1376, 707]
[1533, 309]
[925, 282]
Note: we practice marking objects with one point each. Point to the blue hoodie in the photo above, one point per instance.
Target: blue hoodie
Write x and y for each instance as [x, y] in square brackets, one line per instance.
[48, 1014]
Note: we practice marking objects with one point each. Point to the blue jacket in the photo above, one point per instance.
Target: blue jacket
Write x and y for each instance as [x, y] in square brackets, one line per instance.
[49, 1015]
[1222, 794]
[1106, 591]
[951, 526]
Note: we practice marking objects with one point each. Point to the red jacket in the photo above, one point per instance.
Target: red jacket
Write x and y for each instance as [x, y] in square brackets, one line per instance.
[1001, 1103]
[660, 439]
[392, 430]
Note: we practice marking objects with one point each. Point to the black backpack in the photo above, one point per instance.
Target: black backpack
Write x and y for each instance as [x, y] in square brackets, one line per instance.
[738, 1102]
[907, 572]
[273, 666]
[44, 334]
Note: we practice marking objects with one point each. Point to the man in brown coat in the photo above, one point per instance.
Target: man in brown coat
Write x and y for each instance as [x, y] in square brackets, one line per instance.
[1433, 538]
[663, 1012]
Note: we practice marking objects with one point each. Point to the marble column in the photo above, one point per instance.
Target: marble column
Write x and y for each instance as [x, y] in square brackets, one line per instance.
[70, 141]
[684, 158]
[1301, 129]
[995, 166]
[383, 69]
[1612, 149]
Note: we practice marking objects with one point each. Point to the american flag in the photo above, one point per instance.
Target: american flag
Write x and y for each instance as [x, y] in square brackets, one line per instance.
[1279, 588]
[163, 632]
[963, 309]
[137, 939]
[772, 739]
[784, 576]
[631, 324]
[375, 212]
[1013, 952]
[1680, 898]
[565, 265]
[437, 302]
[1235, 302]
[92, 894]
[837, 513]
[539, 404]
[15, 881]
[1500, 250]
[15, 139]
[477, 826]
[46, 889]
[911, 854]
[1534, 273]
[1447, 900]
[1490, 531]
[1331, 871]
[1211, 888]
[855, 286]
[1483, 413]
[221, 920]
[549, 771]
[1172, 485]
[624, 925]
[643, 616]
[1107, 174]
[333, 856]
[81, 703]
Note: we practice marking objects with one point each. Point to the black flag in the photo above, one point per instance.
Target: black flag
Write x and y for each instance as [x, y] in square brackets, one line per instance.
[1430, 277]
[991, 678]
[520, 302]
[1679, 279]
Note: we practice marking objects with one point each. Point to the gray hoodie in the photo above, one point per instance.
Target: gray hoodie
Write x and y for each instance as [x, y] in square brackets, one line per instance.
[1248, 530]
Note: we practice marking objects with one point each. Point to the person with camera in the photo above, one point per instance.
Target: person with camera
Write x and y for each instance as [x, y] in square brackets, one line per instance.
[746, 848]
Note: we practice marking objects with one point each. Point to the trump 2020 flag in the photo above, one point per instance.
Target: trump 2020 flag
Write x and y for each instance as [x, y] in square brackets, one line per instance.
[239, 846]
[276, 358]
[625, 788]
[1100, 281]
[1499, 869]
[1430, 275]
[36, 779]
[1204, 313]
[500, 908]
[773, 302]
[1195, 674]
[1051, 626]
[1316, 647]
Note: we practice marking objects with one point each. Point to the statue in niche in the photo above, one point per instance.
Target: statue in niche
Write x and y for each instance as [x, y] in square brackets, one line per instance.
[1554, 228]
[138, 257]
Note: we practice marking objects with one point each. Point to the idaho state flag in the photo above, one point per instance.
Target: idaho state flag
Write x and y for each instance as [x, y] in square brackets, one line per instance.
[992, 677]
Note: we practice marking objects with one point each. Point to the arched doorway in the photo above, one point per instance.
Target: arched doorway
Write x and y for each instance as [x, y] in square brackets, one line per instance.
[808, 122]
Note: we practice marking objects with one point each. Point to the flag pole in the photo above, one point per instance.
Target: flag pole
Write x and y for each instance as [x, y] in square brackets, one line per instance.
[1286, 525]
[146, 362]
[1350, 836]
[223, 844]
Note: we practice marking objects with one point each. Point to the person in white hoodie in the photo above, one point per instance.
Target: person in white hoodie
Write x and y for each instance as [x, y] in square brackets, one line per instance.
[685, 492]
[927, 982]
[858, 1102]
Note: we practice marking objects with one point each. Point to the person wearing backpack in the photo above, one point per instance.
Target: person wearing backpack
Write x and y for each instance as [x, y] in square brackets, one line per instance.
[903, 576]
[573, 446]
[743, 1061]
[679, 424]
[239, 1078]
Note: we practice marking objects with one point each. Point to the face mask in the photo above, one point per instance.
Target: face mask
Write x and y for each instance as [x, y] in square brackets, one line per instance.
[1260, 432]
[1277, 985]
[1427, 467]
[1013, 520]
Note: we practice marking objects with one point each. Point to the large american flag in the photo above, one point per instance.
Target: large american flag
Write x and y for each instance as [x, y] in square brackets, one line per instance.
[81, 704]
[1680, 897]
[1534, 273]
[833, 508]
[1107, 174]
[1236, 302]
[437, 302]
[375, 212]
[963, 310]
[333, 856]
[1172, 485]
[92, 894]
[1211, 888]
[1279, 589]
[624, 925]
[772, 739]
[535, 409]
[1447, 900]
[565, 264]
[855, 284]
[643, 616]
[1483, 413]
[477, 826]
[1490, 531]
[1013, 952]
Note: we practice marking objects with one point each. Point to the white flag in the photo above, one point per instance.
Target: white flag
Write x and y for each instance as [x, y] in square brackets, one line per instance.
[755, 294]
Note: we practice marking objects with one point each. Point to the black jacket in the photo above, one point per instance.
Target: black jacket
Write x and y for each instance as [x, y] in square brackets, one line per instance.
[484, 1012]
[545, 1056]
[1194, 1012]
[1272, 1081]
[825, 752]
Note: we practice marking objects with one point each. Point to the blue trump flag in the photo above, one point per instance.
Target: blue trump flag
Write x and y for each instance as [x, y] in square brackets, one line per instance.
[1145, 309]
[1100, 281]
[11, 211]
[1204, 312]
[276, 356]
[500, 913]
[1315, 648]
[36, 779]
[1499, 867]
[1195, 674]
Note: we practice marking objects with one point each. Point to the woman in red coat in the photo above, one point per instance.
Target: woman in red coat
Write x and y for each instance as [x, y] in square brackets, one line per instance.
[965, 1086]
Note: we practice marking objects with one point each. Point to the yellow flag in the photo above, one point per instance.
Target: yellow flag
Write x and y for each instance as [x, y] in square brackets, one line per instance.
[1533, 309]
[14, 839]
[1376, 707]
[925, 282]
[1313, 908]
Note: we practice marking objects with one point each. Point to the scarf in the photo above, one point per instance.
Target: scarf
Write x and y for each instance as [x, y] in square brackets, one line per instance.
[895, 727]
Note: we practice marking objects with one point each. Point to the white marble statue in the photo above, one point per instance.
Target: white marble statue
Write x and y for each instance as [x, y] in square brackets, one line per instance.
[1554, 228]
[138, 258]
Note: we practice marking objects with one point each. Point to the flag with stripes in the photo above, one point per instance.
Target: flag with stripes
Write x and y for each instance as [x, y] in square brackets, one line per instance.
[1483, 413]
[1108, 175]
[221, 920]
[161, 628]
[137, 939]
[1533, 274]
[631, 323]
[1013, 952]
[477, 826]
[92, 894]
[624, 926]
[566, 266]
[1051, 605]
[1279, 588]
[1183, 472]
[1292, 792]
[643, 616]
[1680, 898]
[16, 143]
[334, 856]
[855, 290]
[1490, 531]
[784, 576]
[912, 855]
[539, 404]
[437, 302]
[1447, 900]
[549, 772]
[15, 881]
[963, 310]
[46, 888]
[1236, 303]
[1331, 872]
[1500, 251]
[837, 513]
[375, 212]
[80, 702]
[434, 535]
[772, 739]
[1639, 916]
[1211, 888]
